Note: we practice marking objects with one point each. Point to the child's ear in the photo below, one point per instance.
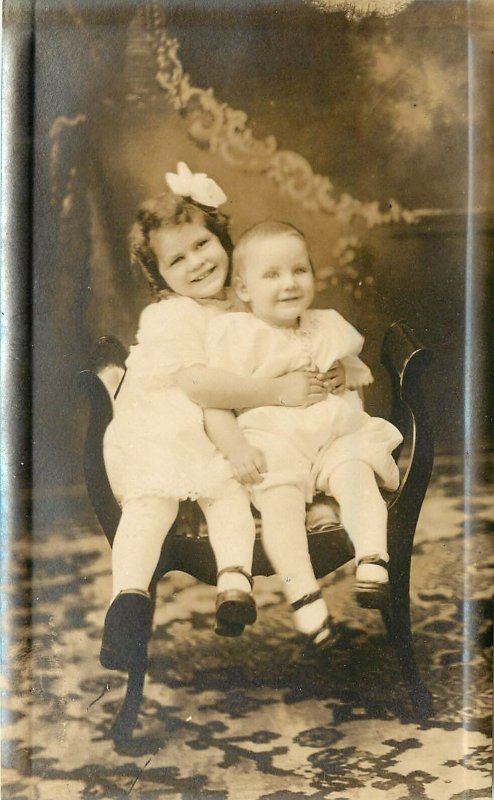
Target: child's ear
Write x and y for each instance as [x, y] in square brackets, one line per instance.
[240, 288]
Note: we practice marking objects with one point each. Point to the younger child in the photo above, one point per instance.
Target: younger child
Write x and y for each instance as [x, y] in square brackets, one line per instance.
[156, 449]
[332, 446]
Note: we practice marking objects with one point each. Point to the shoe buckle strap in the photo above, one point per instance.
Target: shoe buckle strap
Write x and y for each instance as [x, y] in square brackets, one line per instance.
[306, 600]
[240, 571]
[375, 558]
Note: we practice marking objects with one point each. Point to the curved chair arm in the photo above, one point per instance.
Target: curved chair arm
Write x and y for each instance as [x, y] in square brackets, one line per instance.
[405, 359]
[108, 352]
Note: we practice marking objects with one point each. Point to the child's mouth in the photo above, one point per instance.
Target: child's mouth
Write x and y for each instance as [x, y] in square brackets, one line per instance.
[204, 275]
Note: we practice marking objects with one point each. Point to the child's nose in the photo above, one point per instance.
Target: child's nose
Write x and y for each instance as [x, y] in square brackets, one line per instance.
[288, 280]
[196, 259]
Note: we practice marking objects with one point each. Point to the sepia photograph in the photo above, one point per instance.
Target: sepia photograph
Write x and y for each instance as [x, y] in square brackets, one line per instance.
[247, 448]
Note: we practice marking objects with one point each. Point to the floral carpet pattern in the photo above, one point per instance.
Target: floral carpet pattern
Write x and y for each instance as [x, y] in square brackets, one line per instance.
[251, 719]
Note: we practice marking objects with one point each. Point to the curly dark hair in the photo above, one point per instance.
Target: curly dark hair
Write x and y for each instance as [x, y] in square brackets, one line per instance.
[164, 210]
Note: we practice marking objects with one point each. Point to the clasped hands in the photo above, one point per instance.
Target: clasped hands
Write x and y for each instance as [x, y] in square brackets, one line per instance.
[298, 389]
[309, 387]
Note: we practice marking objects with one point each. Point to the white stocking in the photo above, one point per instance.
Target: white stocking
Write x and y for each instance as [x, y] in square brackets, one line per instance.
[363, 513]
[141, 532]
[231, 530]
[285, 542]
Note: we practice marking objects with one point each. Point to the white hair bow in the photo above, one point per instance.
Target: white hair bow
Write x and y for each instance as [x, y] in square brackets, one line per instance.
[195, 185]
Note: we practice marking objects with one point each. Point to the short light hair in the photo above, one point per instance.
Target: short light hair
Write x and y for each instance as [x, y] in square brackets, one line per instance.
[258, 232]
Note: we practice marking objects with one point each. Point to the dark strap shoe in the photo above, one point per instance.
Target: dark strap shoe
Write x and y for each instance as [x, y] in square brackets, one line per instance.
[234, 608]
[372, 594]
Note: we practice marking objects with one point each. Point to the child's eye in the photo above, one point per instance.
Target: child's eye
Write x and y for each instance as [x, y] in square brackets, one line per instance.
[176, 260]
[301, 270]
[271, 274]
[202, 243]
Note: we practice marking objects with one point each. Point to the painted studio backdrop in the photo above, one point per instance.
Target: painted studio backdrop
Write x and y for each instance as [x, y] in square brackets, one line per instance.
[368, 124]
[354, 128]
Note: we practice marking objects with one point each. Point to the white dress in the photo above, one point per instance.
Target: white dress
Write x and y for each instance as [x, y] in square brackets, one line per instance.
[156, 443]
[302, 446]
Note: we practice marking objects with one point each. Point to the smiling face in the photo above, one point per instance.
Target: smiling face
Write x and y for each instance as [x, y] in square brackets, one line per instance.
[191, 259]
[276, 278]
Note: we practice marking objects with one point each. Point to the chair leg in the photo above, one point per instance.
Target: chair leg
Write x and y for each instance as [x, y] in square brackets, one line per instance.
[126, 719]
[398, 624]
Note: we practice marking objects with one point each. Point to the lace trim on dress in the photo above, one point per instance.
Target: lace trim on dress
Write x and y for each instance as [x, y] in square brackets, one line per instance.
[303, 333]
[225, 304]
[229, 303]
[193, 485]
[180, 495]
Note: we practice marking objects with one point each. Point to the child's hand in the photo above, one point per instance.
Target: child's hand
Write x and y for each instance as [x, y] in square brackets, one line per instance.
[302, 388]
[336, 379]
[248, 463]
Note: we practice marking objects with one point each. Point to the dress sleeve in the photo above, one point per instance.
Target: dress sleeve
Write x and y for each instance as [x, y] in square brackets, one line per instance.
[343, 342]
[170, 338]
[357, 373]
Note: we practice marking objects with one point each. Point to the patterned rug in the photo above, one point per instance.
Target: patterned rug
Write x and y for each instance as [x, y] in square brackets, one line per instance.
[251, 719]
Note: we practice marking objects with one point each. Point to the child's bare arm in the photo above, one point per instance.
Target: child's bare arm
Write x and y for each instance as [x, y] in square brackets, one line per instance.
[247, 462]
[215, 388]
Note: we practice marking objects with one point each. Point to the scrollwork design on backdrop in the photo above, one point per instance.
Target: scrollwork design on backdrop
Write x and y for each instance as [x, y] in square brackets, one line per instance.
[215, 126]
[225, 131]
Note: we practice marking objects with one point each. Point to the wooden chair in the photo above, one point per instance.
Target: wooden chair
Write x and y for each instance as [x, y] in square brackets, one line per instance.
[188, 550]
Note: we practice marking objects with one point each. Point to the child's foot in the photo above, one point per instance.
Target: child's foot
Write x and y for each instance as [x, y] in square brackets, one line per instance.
[235, 605]
[127, 630]
[323, 638]
[311, 618]
[372, 582]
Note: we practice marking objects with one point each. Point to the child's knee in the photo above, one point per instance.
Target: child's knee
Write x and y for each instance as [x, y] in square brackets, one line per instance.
[350, 476]
[289, 495]
[151, 507]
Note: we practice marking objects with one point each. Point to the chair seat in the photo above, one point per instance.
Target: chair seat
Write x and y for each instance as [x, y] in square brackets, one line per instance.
[188, 544]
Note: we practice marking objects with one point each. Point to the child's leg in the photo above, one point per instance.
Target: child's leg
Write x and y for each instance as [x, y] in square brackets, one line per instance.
[363, 514]
[231, 530]
[141, 532]
[136, 549]
[285, 542]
